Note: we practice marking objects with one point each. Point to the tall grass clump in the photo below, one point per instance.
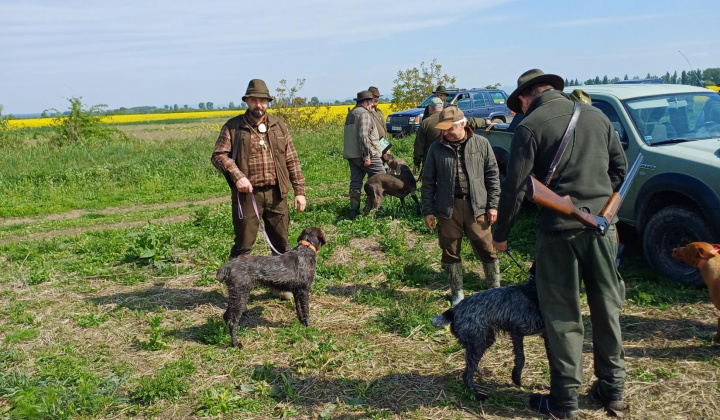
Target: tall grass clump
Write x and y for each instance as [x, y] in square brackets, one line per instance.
[82, 125]
[8, 137]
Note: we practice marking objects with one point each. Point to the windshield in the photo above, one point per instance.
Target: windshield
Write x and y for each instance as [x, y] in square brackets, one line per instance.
[680, 117]
[426, 102]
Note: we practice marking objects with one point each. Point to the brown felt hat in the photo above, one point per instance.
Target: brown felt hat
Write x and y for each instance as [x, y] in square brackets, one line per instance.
[528, 79]
[448, 117]
[257, 89]
[363, 95]
[374, 91]
[579, 95]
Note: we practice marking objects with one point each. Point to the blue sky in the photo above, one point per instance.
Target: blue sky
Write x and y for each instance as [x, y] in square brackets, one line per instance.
[132, 52]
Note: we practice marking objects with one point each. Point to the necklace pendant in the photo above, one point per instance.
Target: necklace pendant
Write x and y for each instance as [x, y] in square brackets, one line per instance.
[262, 128]
[262, 142]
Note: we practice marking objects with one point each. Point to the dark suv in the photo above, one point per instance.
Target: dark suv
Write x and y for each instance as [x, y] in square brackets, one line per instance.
[479, 103]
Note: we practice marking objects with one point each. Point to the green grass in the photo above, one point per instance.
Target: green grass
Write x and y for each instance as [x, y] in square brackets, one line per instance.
[127, 321]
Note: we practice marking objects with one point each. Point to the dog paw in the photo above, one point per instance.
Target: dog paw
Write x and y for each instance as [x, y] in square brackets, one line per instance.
[481, 396]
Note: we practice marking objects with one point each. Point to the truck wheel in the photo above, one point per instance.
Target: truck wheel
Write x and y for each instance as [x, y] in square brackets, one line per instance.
[669, 228]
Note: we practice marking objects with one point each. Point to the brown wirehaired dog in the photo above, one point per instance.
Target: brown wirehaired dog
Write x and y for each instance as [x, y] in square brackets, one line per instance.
[705, 257]
[293, 271]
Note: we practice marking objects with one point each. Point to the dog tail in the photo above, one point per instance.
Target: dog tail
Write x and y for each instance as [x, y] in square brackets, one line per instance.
[444, 319]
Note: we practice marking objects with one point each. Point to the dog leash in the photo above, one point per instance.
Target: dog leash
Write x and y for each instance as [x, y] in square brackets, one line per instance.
[507, 251]
[257, 214]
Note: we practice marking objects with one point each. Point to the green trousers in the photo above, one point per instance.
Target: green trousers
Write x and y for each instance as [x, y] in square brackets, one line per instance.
[564, 259]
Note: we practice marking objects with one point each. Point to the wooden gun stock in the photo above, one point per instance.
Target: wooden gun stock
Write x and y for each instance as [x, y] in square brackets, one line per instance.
[543, 196]
[611, 207]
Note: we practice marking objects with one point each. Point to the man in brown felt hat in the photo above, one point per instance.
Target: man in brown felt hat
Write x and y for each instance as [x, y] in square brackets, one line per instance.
[461, 188]
[362, 148]
[256, 154]
[441, 93]
[591, 167]
[379, 119]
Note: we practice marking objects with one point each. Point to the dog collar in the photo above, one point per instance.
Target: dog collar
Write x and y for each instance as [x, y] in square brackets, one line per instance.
[308, 244]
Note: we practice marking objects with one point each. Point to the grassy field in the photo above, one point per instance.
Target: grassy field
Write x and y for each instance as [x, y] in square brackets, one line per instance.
[109, 305]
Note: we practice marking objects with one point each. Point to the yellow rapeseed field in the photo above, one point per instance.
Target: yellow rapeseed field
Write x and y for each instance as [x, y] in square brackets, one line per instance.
[335, 111]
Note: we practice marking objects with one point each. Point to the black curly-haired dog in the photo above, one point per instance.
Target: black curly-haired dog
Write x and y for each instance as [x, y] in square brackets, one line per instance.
[293, 271]
[478, 318]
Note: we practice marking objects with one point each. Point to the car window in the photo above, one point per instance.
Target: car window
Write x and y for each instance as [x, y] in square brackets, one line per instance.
[479, 99]
[497, 98]
[463, 101]
[612, 115]
[686, 116]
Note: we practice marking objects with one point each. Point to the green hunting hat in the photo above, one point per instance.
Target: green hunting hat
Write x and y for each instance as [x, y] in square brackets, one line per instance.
[448, 117]
[436, 102]
[257, 89]
[363, 95]
[528, 79]
[579, 95]
[374, 91]
[440, 89]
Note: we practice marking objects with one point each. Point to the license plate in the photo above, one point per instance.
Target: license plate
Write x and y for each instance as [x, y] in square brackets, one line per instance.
[396, 128]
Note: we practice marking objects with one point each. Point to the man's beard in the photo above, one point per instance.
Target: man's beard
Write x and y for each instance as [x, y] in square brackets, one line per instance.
[257, 112]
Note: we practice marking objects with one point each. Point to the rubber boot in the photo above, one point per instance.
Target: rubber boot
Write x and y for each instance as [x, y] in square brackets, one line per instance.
[492, 274]
[454, 273]
[354, 204]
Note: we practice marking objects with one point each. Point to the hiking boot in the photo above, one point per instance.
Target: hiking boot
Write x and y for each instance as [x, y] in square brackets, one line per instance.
[613, 407]
[543, 404]
[354, 204]
[492, 274]
[454, 273]
[279, 294]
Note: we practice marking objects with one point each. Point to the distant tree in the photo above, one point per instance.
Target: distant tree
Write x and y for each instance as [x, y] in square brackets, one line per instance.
[231, 105]
[626, 77]
[44, 114]
[314, 101]
[674, 78]
[683, 78]
[167, 106]
[712, 75]
[337, 102]
[614, 79]
[175, 107]
[495, 86]
[636, 78]
[597, 80]
[605, 80]
[413, 85]
[201, 105]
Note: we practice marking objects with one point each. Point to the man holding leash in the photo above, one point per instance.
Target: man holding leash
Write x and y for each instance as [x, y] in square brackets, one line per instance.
[361, 147]
[589, 168]
[461, 188]
[256, 154]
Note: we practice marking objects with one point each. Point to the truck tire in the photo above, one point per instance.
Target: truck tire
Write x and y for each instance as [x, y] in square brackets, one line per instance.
[669, 228]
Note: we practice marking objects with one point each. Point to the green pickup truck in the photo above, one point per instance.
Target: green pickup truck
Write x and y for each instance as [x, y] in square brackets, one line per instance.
[675, 197]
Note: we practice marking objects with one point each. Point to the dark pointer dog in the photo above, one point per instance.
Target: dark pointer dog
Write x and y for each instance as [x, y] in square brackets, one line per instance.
[477, 319]
[293, 271]
[399, 183]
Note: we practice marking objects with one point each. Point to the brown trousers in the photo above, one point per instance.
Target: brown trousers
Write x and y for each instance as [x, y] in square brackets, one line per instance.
[450, 234]
[274, 212]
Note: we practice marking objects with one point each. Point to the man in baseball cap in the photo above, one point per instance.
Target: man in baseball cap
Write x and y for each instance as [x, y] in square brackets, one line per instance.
[461, 190]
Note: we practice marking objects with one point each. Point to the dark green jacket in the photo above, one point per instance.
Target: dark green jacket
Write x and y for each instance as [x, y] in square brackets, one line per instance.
[427, 134]
[591, 168]
[439, 174]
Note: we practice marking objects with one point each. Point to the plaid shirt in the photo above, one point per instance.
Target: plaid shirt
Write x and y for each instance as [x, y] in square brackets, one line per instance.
[261, 168]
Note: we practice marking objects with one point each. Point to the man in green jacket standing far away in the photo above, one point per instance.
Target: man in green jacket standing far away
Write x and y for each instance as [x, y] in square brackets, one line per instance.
[461, 188]
[592, 165]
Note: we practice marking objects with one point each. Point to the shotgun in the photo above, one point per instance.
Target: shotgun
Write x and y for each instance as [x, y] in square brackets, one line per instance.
[545, 197]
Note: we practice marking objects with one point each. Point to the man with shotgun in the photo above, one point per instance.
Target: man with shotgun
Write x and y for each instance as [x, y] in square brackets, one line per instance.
[573, 150]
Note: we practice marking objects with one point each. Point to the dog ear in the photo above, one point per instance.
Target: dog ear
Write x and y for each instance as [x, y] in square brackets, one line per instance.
[704, 253]
[320, 236]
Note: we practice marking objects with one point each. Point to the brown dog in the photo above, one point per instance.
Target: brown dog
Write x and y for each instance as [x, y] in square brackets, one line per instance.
[398, 183]
[705, 257]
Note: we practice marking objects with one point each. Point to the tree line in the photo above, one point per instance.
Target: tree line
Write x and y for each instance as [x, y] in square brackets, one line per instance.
[707, 77]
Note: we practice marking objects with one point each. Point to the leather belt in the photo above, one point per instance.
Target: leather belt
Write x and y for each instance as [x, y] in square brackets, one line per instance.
[462, 196]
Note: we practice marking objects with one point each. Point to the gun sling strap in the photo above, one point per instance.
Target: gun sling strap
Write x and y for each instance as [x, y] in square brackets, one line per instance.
[563, 144]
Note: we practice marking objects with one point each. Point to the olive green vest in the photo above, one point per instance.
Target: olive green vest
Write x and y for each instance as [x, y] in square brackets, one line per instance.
[352, 149]
[379, 119]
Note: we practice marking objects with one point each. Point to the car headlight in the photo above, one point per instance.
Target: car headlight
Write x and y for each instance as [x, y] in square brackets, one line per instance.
[415, 120]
